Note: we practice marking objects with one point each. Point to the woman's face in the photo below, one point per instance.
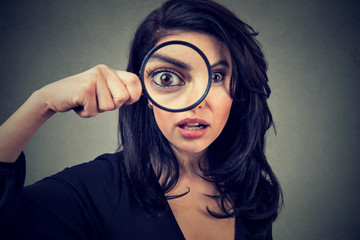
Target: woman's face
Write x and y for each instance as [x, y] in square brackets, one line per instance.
[192, 131]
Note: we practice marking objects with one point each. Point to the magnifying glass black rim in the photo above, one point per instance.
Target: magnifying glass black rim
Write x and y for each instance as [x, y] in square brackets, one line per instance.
[146, 59]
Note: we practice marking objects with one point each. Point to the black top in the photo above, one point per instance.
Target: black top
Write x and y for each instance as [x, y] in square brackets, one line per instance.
[89, 201]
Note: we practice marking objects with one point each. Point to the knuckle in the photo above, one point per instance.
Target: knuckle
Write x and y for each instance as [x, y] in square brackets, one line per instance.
[133, 79]
[101, 67]
[106, 106]
[123, 97]
[98, 70]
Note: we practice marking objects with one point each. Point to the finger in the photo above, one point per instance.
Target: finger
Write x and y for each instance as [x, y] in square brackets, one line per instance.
[98, 74]
[87, 103]
[117, 88]
[132, 84]
[103, 95]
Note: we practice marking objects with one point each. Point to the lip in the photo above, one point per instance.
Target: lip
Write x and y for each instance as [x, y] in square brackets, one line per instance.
[192, 120]
[186, 133]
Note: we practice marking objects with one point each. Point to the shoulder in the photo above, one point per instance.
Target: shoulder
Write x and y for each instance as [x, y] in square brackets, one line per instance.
[101, 176]
[87, 193]
[98, 184]
[106, 168]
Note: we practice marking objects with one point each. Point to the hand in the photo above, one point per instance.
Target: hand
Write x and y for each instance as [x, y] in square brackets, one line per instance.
[96, 90]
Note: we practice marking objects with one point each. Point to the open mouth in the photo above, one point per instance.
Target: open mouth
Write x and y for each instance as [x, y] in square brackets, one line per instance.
[192, 126]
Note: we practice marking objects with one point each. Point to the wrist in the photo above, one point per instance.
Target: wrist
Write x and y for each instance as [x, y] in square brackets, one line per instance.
[39, 102]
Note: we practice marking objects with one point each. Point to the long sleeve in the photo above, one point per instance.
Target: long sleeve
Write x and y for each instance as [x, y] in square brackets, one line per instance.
[73, 204]
[12, 177]
[92, 200]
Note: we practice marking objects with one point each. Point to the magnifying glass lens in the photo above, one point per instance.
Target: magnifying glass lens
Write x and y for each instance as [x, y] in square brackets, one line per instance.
[175, 77]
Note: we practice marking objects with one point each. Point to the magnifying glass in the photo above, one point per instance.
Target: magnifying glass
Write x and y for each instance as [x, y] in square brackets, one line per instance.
[176, 76]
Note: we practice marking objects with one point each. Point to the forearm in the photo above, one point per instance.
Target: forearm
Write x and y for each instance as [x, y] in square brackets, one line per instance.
[96, 90]
[22, 125]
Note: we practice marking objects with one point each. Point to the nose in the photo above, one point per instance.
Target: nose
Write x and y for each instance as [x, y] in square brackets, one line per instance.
[201, 105]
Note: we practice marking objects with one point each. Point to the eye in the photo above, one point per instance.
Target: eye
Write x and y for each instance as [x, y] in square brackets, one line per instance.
[217, 77]
[167, 79]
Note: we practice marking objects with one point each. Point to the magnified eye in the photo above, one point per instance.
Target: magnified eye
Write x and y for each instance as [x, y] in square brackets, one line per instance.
[217, 77]
[167, 79]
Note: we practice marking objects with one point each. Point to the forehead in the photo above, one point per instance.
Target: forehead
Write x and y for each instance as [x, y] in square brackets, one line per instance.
[213, 49]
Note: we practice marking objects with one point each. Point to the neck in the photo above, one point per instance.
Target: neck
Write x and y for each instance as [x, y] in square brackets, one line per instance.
[189, 162]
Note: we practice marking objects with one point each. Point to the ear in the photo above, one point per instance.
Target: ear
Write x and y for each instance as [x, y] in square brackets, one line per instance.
[150, 105]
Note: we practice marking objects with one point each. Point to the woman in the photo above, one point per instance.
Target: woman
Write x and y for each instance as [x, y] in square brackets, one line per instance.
[198, 174]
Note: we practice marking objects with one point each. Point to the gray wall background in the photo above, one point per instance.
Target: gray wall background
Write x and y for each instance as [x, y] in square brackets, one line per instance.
[313, 52]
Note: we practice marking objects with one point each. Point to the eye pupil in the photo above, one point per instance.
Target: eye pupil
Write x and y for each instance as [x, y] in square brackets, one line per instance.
[216, 77]
[166, 79]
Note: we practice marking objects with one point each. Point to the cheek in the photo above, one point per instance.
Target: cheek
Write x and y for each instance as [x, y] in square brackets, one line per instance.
[163, 120]
[224, 111]
[221, 108]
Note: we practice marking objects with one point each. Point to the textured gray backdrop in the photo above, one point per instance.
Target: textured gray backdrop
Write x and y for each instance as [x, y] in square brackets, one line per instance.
[312, 48]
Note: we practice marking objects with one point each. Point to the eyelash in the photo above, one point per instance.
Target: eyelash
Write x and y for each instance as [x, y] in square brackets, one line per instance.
[222, 76]
[152, 74]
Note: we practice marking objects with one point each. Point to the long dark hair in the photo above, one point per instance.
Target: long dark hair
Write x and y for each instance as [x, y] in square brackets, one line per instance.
[237, 164]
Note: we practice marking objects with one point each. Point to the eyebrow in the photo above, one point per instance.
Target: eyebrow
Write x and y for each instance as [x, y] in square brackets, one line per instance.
[183, 65]
[172, 61]
[221, 62]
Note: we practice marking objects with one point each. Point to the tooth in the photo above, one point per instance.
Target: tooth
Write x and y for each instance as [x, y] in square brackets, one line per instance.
[194, 128]
[193, 124]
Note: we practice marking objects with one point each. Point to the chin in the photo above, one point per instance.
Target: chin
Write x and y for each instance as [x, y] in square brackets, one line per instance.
[190, 148]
